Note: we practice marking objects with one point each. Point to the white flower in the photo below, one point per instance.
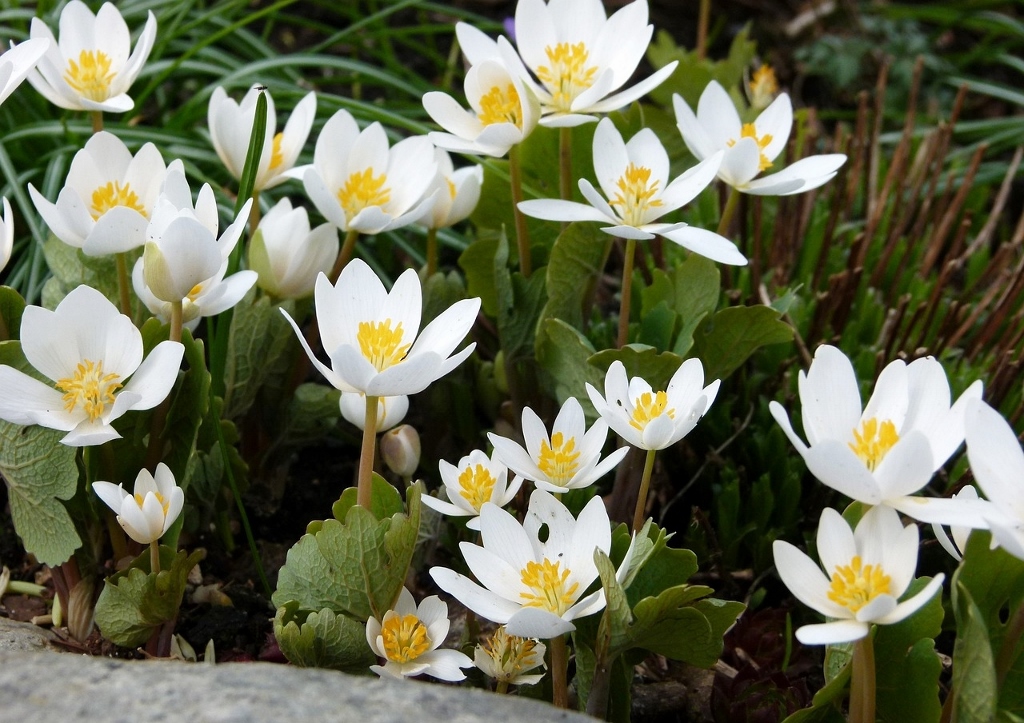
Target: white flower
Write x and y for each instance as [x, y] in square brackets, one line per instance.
[458, 192]
[90, 68]
[390, 410]
[360, 184]
[890, 450]
[998, 465]
[504, 111]
[231, 127]
[408, 637]
[578, 54]
[108, 197]
[287, 255]
[89, 351]
[373, 337]
[475, 481]
[6, 234]
[634, 178]
[149, 512]
[654, 420]
[18, 62]
[866, 572]
[567, 460]
[959, 533]
[536, 588]
[752, 147]
[508, 658]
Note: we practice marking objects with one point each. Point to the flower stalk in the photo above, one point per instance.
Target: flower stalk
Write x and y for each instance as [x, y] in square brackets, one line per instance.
[97, 120]
[627, 293]
[731, 203]
[559, 671]
[176, 320]
[154, 556]
[641, 497]
[522, 233]
[565, 163]
[364, 498]
[431, 252]
[347, 247]
[862, 684]
[123, 284]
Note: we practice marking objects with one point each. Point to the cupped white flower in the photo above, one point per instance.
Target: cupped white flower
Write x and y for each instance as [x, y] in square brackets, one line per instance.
[6, 234]
[90, 68]
[866, 571]
[886, 452]
[231, 124]
[18, 62]
[93, 355]
[998, 464]
[151, 509]
[634, 179]
[458, 191]
[509, 658]
[654, 420]
[568, 459]
[408, 638]
[503, 113]
[750, 148]
[287, 255]
[209, 297]
[476, 480]
[373, 336]
[108, 197]
[535, 588]
[390, 410]
[360, 184]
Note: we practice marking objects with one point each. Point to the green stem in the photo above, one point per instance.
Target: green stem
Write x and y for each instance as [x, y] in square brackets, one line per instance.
[254, 214]
[559, 672]
[565, 163]
[502, 687]
[641, 497]
[731, 202]
[1006, 655]
[154, 556]
[123, 284]
[97, 120]
[627, 293]
[346, 254]
[176, 320]
[522, 233]
[364, 497]
[431, 252]
[862, 684]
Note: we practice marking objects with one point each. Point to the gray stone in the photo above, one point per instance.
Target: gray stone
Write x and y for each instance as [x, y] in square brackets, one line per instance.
[20, 637]
[62, 687]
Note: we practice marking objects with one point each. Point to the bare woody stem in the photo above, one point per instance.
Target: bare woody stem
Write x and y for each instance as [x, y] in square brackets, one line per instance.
[522, 233]
[627, 293]
[565, 163]
[559, 672]
[641, 497]
[123, 284]
[364, 497]
[862, 684]
[346, 254]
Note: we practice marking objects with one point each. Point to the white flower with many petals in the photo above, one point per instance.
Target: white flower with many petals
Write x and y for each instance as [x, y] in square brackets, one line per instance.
[408, 638]
[634, 178]
[108, 197]
[458, 192]
[373, 337]
[287, 255]
[569, 459]
[998, 464]
[360, 184]
[89, 350]
[575, 57]
[151, 509]
[90, 68]
[231, 127]
[865, 573]
[535, 588]
[654, 420]
[885, 453]
[509, 658]
[390, 410]
[750, 148]
[6, 234]
[475, 481]
[18, 62]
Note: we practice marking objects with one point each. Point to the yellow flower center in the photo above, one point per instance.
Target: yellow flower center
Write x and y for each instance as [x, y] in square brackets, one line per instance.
[90, 77]
[90, 388]
[381, 344]
[476, 484]
[511, 654]
[548, 587]
[855, 585]
[647, 407]
[405, 638]
[763, 87]
[276, 157]
[568, 74]
[362, 190]
[558, 460]
[749, 131]
[501, 106]
[873, 441]
[113, 194]
[636, 195]
[139, 499]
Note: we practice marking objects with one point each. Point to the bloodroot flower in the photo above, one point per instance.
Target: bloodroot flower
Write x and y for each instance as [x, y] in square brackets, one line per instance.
[151, 509]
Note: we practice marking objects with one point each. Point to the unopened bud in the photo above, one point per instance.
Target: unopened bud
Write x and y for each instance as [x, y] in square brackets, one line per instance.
[400, 450]
[80, 609]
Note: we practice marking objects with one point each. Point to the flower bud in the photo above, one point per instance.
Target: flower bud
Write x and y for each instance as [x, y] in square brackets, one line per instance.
[400, 450]
[81, 611]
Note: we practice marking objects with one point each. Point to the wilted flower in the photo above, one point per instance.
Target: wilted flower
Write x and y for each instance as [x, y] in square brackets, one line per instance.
[408, 638]
[18, 62]
[750, 148]
[6, 234]
[90, 68]
[508, 658]
[390, 410]
[89, 351]
[998, 465]
[149, 512]
[287, 255]
[458, 191]
[231, 128]
[866, 572]
[475, 481]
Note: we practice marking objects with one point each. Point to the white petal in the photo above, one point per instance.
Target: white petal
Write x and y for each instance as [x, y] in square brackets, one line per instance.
[838, 631]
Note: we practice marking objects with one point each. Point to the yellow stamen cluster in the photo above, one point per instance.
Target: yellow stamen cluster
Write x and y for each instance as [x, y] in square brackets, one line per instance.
[511, 654]
[549, 588]
[501, 105]
[90, 77]
[763, 87]
[636, 194]
[405, 638]
[648, 406]
[90, 388]
[276, 156]
[568, 74]
[363, 190]
[873, 441]
[750, 131]
[476, 485]
[165, 503]
[559, 459]
[113, 194]
[855, 585]
[381, 344]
